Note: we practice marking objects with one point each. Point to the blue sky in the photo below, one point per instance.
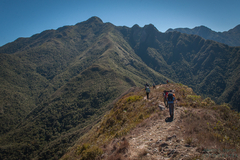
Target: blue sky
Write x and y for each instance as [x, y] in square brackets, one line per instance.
[24, 18]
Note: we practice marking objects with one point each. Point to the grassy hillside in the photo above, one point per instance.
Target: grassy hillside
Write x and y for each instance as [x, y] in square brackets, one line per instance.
[200, 126]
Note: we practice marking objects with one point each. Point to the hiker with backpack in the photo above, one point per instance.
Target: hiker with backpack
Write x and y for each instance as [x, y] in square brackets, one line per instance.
[147, 88]
[147, 85]
[170, 100]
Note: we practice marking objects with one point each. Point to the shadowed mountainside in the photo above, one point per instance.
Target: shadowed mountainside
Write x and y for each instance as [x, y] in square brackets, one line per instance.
[210, 68]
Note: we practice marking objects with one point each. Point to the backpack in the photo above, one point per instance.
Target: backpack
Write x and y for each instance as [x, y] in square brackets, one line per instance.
[170, 97]
[148, 90]
[166, 94]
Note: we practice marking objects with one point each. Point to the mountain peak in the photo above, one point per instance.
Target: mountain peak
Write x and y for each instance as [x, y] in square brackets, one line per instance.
[169, 30]
[202, 27]
[95, 19]
[235, 29]
[150, 26]
[136, 26]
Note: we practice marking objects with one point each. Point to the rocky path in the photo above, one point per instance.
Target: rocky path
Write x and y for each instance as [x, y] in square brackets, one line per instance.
[160, 139]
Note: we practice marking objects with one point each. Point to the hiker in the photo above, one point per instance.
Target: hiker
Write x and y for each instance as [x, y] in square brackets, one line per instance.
[154, 86]
[167, 81]
[170, 99]
[147, 88]
[146, 85]
[165, 94]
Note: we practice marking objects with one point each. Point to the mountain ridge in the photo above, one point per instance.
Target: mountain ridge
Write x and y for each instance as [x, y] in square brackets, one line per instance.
[140, 128]
[230, 37]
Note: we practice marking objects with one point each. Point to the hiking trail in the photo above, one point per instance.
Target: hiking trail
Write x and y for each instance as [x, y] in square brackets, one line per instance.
[160, 138]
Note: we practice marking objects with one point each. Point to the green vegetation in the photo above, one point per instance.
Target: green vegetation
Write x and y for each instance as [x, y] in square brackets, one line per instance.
[126, 114]
[88, 152]
[123, 117]
[134, 98]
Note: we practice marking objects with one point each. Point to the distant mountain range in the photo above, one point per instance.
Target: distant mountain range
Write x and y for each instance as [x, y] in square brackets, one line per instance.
[57, 84]
[231, 37]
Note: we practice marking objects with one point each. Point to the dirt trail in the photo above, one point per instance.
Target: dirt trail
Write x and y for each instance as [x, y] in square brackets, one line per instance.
[160, 139]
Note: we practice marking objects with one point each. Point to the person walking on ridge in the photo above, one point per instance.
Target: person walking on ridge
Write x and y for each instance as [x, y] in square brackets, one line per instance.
[170, 99]
[147, 88]
[154, 86]
[146, 85]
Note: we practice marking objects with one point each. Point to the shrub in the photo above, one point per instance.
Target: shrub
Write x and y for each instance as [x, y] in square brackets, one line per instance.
[82, 148]
[140, 116]
[134, 98]
[193, 97]
[89, 153]
[208, 101]
[110, 122]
